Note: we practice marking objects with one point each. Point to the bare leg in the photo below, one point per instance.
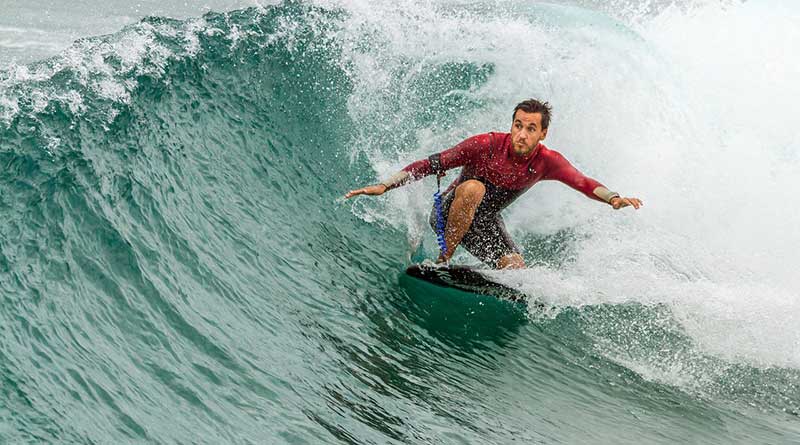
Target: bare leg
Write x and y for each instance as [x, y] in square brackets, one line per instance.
[469, 195]
[511, 261]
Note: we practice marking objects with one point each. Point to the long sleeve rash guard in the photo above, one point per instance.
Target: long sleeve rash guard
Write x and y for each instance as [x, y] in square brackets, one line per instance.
[490, 159]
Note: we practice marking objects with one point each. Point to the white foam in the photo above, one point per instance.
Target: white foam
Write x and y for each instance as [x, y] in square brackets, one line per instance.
[105, 66]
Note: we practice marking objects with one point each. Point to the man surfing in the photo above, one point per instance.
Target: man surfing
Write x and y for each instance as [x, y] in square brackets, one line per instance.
[497, 169]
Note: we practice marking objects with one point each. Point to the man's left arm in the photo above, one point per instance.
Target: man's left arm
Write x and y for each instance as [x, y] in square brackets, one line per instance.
[561, 170]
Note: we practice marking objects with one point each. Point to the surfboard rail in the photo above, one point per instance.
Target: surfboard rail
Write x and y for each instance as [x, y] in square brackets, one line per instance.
[464, 278]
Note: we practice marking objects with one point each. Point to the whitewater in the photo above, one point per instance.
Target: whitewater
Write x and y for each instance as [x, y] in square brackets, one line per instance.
[178, 264]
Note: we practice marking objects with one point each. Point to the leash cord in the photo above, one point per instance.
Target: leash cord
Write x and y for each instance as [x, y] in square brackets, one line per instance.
[437, 204]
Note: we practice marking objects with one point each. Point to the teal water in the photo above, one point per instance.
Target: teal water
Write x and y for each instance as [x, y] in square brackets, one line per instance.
[177, 264]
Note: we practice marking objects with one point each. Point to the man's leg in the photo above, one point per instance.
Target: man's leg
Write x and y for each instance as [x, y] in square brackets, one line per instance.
[490, 242]
[468, 196]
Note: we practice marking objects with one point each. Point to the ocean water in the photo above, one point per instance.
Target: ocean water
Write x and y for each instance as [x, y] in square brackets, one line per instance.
[177, 263]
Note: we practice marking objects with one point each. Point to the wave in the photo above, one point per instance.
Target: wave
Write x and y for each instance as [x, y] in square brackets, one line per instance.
[174, 239]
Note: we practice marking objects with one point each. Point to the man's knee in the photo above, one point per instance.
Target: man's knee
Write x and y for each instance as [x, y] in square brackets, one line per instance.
[471, 189]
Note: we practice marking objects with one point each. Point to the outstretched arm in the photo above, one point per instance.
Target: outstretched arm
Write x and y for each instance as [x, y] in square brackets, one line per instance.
[561, 170]
[453, 157]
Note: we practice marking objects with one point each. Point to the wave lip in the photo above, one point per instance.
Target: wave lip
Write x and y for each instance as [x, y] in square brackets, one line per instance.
[105, 67]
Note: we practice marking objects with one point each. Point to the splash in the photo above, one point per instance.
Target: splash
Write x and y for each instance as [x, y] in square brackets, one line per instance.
[684, 106]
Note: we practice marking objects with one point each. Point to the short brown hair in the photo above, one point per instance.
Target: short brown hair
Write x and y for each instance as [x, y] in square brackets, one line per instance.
[534, 106]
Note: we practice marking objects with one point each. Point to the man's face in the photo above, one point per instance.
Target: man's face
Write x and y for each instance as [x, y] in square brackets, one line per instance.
[526, 132]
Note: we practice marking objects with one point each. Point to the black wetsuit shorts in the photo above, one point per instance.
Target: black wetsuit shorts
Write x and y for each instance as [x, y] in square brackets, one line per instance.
[487, 238]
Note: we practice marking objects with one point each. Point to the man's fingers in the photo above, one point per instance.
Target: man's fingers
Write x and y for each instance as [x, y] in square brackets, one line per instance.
[352, 193]
[620, 202]
[635, 202]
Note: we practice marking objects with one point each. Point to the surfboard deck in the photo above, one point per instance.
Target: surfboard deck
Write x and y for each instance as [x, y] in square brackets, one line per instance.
[464, 278]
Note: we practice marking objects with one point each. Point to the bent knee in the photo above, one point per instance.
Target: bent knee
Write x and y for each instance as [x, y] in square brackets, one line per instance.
[471, 188]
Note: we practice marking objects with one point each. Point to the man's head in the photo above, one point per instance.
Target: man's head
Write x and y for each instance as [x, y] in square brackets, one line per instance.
[529, 125]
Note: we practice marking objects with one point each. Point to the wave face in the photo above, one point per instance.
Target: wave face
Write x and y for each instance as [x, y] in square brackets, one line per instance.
[177, 264]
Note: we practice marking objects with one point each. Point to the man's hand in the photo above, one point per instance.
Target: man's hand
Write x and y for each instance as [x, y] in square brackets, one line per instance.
[377, 189]
[619, 202]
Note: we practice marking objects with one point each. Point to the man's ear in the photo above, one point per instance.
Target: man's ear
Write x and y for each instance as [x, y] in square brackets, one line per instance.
[544, 133]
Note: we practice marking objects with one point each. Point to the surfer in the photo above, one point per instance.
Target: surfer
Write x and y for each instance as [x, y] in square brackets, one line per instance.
[497, 169]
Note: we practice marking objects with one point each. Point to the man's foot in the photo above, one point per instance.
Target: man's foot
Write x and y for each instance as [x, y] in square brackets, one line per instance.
[511, 261]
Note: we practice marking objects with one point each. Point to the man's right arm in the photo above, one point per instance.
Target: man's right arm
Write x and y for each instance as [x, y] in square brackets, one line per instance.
[458, 156]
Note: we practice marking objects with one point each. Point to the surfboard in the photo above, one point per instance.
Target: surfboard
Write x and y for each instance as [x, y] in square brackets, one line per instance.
[464, 278]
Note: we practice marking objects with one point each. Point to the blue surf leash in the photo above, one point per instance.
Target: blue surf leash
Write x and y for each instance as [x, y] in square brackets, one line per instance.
[437, 204]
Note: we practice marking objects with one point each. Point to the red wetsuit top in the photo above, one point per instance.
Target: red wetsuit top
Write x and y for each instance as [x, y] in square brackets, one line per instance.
[490, 158]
